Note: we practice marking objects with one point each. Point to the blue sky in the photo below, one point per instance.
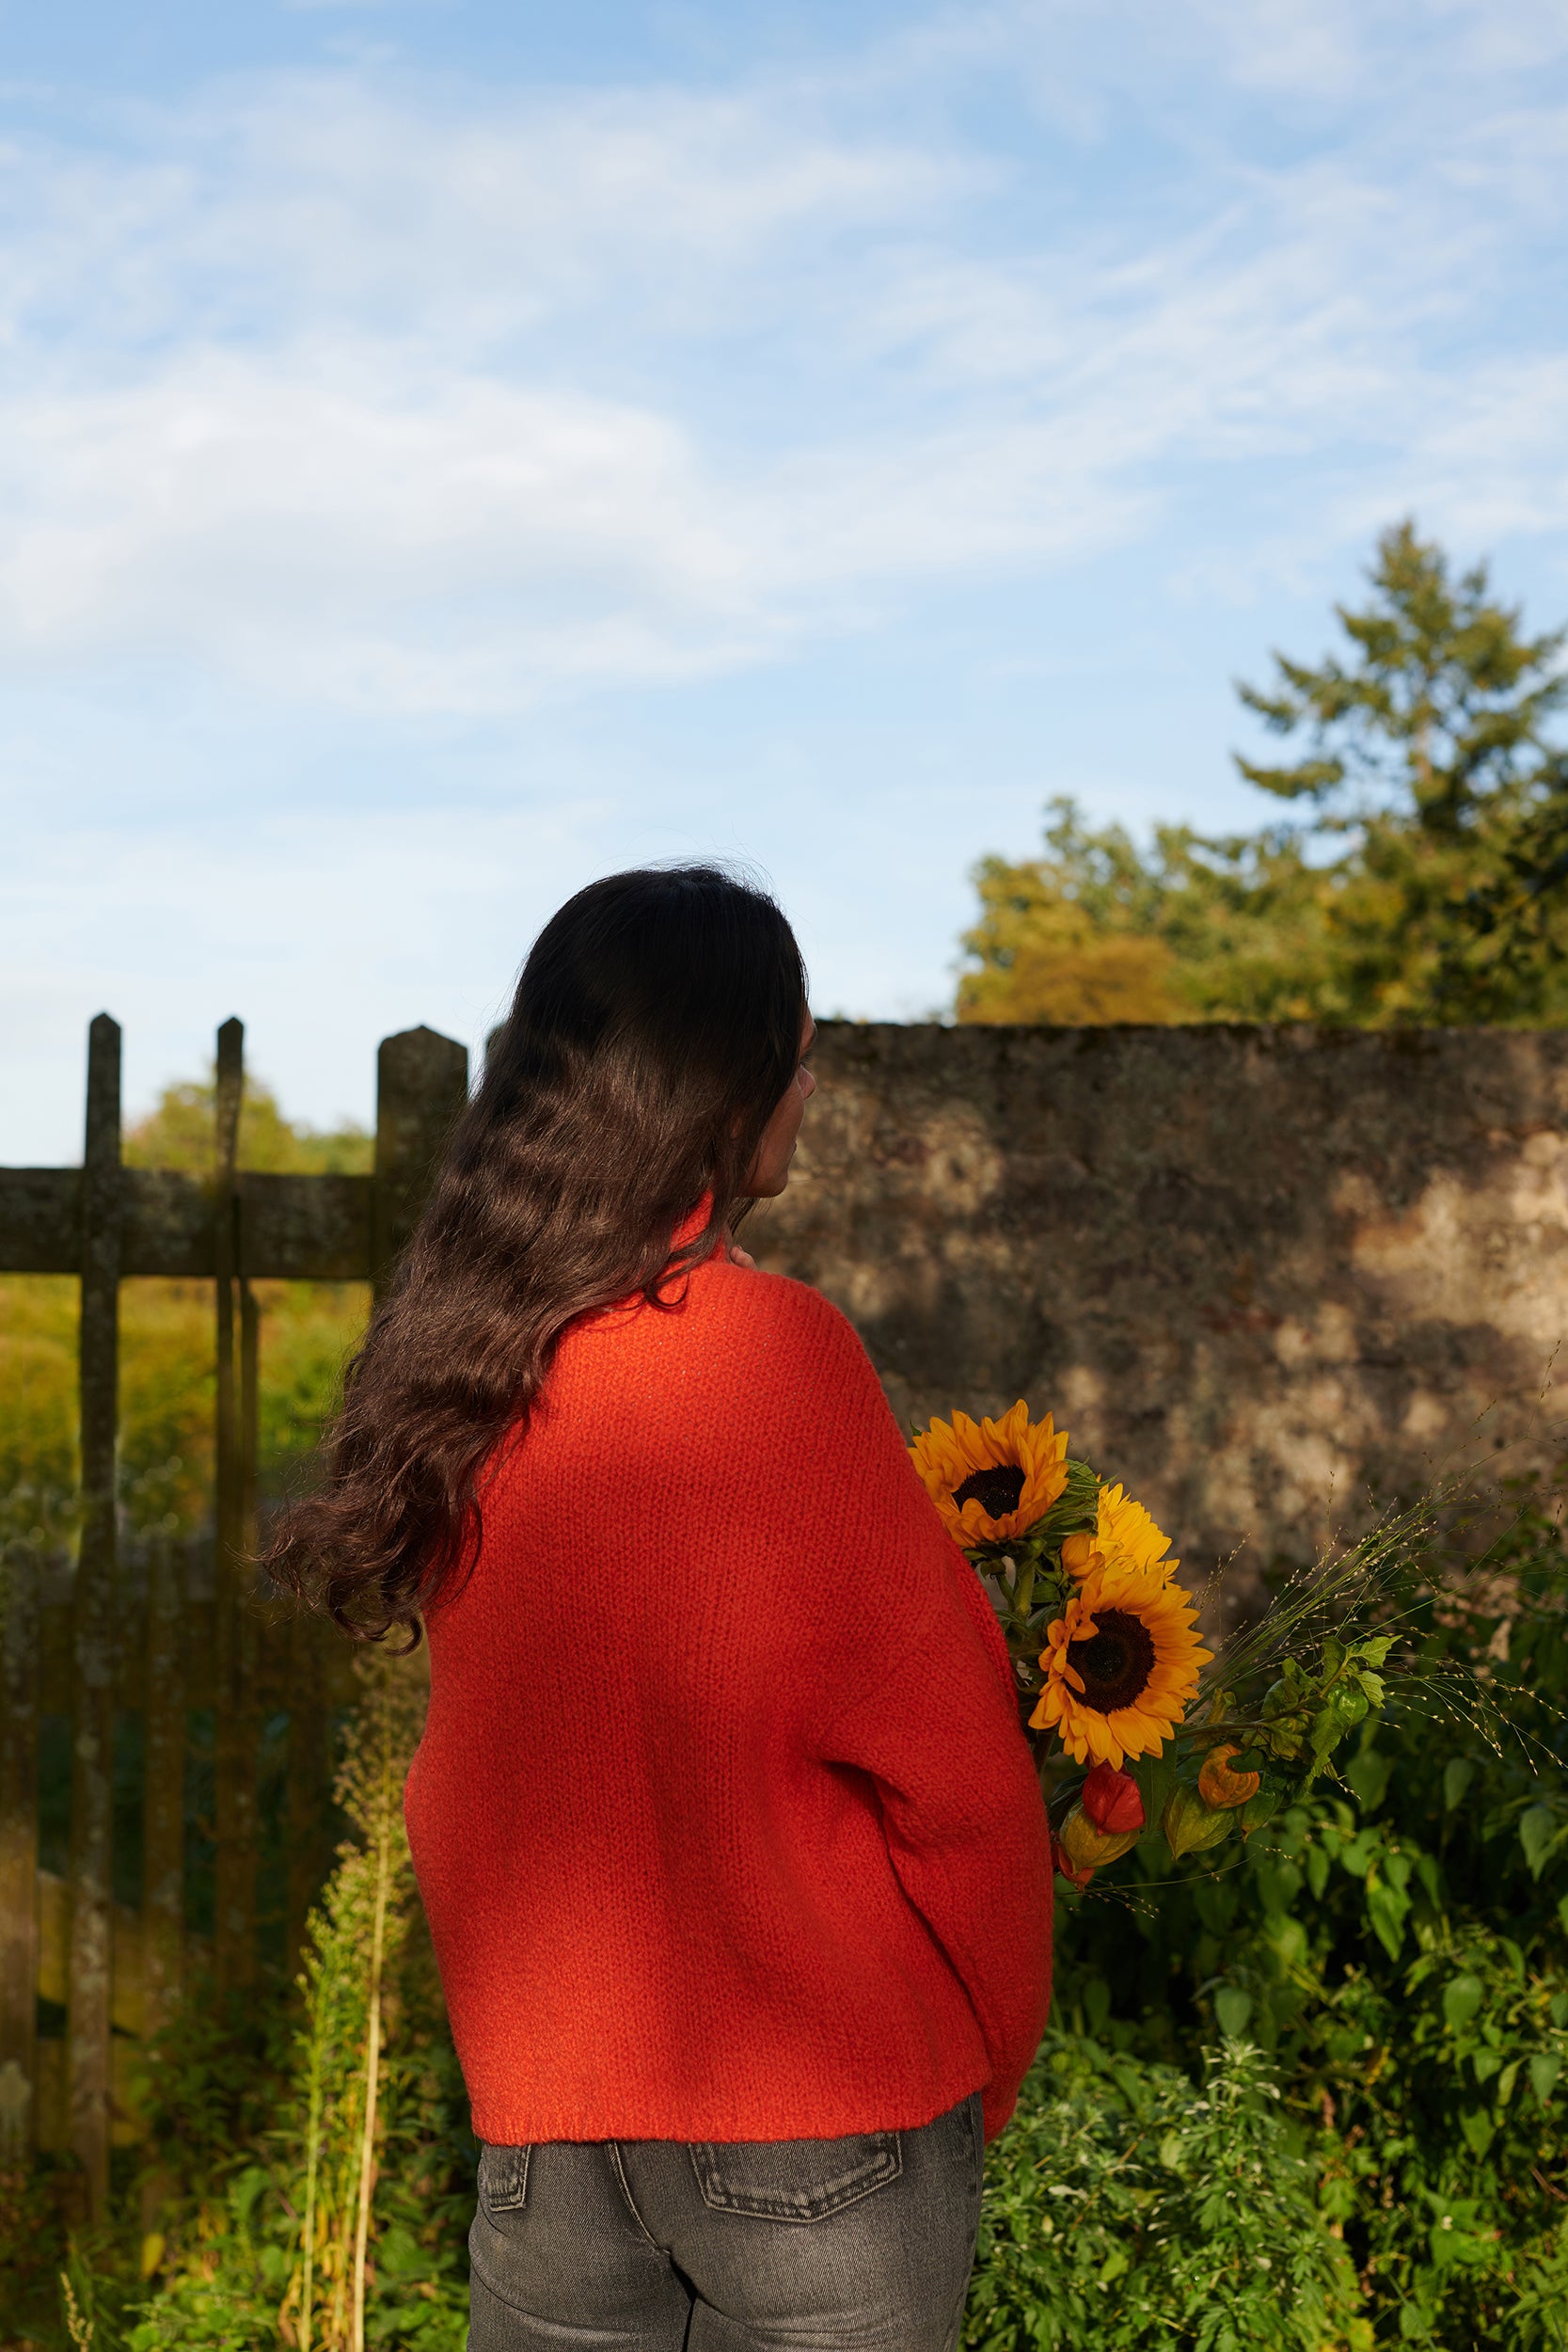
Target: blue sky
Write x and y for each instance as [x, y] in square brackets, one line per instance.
[448, 451]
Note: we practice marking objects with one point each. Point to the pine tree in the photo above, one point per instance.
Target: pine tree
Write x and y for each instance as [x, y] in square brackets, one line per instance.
[1423, 877]
[1440, 716]
[1429, 751]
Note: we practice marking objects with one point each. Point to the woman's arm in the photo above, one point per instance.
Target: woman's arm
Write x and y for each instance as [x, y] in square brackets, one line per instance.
[918, 1692]
[965, 1824]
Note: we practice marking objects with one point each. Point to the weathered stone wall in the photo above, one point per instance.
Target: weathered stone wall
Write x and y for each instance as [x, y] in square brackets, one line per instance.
[1251, 1270]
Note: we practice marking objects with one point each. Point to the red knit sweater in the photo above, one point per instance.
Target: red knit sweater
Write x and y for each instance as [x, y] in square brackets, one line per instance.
[722, 1817]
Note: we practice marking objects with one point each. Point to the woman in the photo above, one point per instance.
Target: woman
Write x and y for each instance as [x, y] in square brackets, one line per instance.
[733, 1854]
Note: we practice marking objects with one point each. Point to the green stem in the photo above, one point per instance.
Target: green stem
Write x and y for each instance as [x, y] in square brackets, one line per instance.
[372, 2056]
[312, 2165]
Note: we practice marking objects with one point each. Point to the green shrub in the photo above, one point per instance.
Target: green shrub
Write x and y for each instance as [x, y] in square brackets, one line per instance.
[1399, 1949]
[1127, 2206]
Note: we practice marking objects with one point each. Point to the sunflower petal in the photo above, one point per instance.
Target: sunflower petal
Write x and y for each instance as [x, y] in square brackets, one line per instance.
[1123, 1586]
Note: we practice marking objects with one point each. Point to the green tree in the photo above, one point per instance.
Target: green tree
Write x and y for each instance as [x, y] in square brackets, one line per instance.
[181, 1130]
[1071, 937]
[1439, 716]
[1423, 878]
[1195, 930]
[1427, 748]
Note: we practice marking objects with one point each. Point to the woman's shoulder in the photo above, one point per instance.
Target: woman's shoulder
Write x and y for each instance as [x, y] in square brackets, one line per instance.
[784, 1336]
[777, 1309]
[764, 1337]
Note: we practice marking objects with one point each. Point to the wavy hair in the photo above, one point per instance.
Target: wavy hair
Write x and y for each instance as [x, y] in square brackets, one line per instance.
[655, 1027]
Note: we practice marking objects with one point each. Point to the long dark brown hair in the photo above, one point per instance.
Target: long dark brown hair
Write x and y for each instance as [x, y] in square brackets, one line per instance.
[656, 1028]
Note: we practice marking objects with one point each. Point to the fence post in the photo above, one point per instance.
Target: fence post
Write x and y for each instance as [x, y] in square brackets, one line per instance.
[250, 1421]
[234, 1739]
[162, 1792]
[88, 2004]
[422, 1084]
[19, 1853]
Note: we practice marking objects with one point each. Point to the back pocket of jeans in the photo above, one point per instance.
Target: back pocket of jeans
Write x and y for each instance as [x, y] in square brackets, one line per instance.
[502, 2178]
[794, 2180]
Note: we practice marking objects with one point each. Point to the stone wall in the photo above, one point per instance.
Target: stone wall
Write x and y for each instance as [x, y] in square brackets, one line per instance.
[1253, 1271]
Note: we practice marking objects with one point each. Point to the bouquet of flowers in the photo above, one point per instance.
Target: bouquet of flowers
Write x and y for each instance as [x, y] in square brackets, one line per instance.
[1110, 1666]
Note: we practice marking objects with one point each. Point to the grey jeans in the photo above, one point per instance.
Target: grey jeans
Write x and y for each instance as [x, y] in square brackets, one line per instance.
[739, 2245]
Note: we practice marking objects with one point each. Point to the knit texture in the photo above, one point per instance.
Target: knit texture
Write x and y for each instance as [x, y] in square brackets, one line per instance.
[722, 1817]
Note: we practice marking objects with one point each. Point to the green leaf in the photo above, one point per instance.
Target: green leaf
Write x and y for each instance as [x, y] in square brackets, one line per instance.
[1487, 2064]
[1387, 1907]
[1458, 1772]
[1260, 1809]
[1340, 1712]
[1357, 1854]
[1232, 2010]
[1544, 2068]
[1477, 2128]
[1190, 1826]
[1076, 1507]
[1367, 1774]
[1537, 1835]
[1288, 1938]
[1462, 1997]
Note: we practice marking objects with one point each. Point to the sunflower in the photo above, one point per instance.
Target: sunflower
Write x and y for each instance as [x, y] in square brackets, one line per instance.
[1121, 1664]
[991, 1480]
[1125, 1538]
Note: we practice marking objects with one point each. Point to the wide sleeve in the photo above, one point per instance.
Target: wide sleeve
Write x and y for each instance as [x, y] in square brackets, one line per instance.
[924, 1701]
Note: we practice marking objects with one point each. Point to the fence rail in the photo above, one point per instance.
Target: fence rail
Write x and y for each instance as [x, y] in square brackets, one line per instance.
[176, 1634]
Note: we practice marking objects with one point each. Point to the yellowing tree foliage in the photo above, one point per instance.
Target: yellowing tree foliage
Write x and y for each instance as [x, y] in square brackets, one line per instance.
[1426, 882]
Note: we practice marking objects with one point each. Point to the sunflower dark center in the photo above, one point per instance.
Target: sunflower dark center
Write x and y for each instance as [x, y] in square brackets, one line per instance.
[1115, 1662]
[995, 1489]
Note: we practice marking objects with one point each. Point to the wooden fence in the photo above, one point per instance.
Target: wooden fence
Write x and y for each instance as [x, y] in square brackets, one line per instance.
[170, 1639]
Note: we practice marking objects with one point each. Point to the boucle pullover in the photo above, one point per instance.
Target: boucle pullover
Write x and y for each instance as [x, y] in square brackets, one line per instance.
[722, 1817]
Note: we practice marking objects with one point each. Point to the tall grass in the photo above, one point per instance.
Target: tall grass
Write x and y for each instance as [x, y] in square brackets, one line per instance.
[357, 1933]
[289, 2248]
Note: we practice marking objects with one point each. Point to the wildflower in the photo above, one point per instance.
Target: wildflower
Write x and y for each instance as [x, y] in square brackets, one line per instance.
[1077, 1873]
[1122, 1665]
[1088, 1848]
[1222, 1789]
[1112, 1800]
[1191, 1826]
[991, 1480]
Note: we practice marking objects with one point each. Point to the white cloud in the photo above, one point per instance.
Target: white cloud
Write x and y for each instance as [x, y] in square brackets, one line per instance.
[451, 216]
[336, 524]
[1294, 48]
[442, 401]
[1494, 460]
